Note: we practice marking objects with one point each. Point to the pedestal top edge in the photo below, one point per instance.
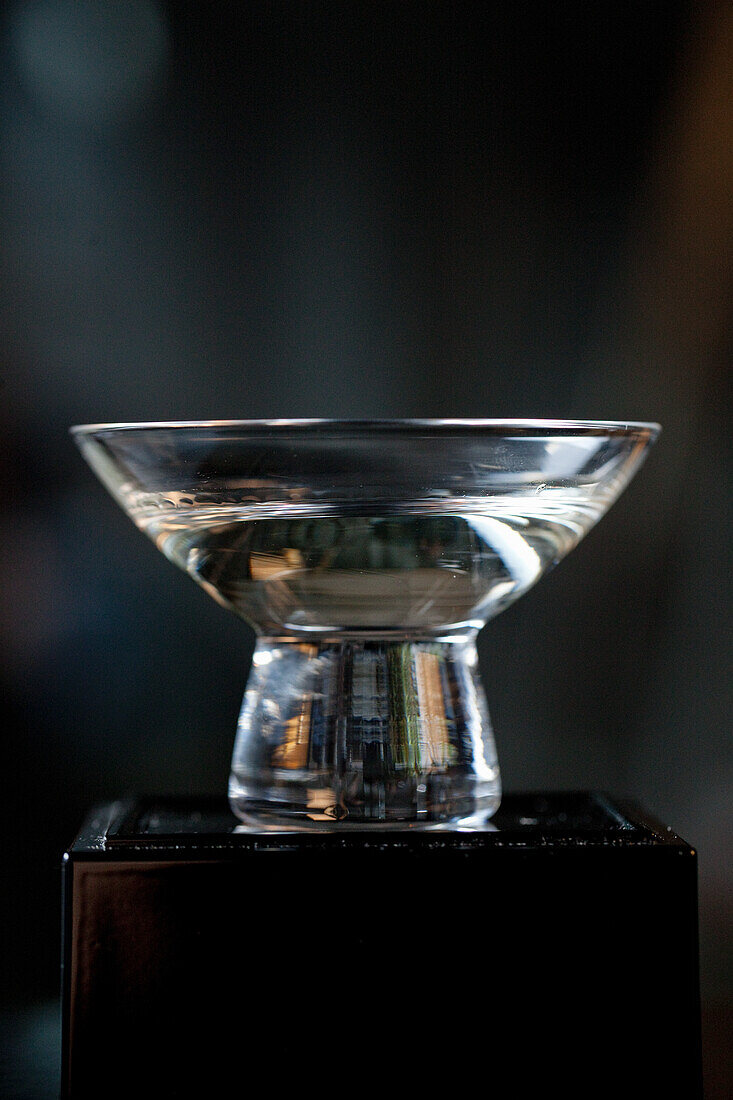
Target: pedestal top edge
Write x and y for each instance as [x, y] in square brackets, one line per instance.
[183, 827]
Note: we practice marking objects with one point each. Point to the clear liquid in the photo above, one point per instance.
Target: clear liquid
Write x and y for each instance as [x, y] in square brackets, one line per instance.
[408, 571]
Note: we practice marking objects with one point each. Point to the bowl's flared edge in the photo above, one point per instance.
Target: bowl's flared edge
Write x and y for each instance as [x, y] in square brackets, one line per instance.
[345, 425]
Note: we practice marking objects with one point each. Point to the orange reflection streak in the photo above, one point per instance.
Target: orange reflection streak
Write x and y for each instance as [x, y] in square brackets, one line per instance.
[264, 567]
[293, 752]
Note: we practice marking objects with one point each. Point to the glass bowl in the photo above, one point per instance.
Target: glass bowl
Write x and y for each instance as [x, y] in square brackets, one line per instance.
[366, 555]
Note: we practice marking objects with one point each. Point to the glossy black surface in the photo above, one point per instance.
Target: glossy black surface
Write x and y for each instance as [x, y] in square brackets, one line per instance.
[561, 938]
[181, 826]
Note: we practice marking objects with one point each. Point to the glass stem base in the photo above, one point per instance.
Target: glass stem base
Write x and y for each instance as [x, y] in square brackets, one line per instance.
[364, 733]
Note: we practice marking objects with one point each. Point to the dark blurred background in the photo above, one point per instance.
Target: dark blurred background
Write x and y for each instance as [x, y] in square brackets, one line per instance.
[360, 210]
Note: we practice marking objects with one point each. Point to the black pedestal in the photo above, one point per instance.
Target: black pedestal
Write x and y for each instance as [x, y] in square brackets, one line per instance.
[558, 951]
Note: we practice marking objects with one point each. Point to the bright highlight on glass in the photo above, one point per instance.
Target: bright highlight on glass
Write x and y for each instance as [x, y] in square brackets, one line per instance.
[366, 555]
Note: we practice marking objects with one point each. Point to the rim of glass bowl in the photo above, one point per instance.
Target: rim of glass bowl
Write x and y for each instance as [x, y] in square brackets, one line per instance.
[407, 424]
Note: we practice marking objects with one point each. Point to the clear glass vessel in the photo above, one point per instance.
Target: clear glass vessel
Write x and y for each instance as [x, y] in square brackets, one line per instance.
[366, 555]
